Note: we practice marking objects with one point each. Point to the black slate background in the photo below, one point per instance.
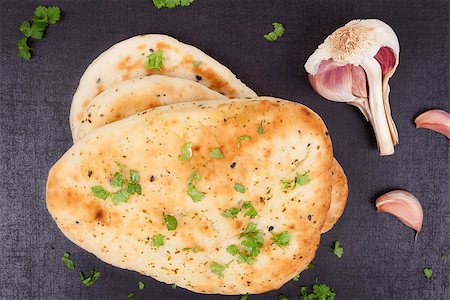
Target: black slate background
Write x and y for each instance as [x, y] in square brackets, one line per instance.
[381, 260]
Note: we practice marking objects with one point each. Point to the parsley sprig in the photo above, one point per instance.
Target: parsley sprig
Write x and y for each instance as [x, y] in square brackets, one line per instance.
[234, 211]
[281, 239]
[127, 188]
[154, 61]
[43, 16]
[171, 3]
[337, 250]
[319, 291]
[192, 191]
[253, 241]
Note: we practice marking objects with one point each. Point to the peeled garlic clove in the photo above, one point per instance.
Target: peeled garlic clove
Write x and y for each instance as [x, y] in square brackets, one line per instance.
[354, 65]
[404, 206]
[435, 119]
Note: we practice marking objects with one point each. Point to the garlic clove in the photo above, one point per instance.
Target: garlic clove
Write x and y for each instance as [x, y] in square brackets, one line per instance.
[403, 205]
[354, 65]
[436, 120]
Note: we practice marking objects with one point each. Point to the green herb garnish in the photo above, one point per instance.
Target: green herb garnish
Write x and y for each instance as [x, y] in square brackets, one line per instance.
[296, 277]
[154, 61]
[310, 266]
[192, 191]
[281, 239]
[319, 291]
[158, 240]
[242, 138]
[301, 180]
[186, 152]
[43, 16]
[88, 281]
[196, 249]
[127, 188]
[217, 268]
[231, 212]
[130, 295]
[337, 250]
[428, 272]
[174, 286]
[276, 33]
[253, 241]
[66, 259]
[282, 297]
[141, 285]
[171, 222]
[171, 3]
[196, 63]
[260, 127]
[239, 187]
[215, 153]
[251, 211]
[244, 297]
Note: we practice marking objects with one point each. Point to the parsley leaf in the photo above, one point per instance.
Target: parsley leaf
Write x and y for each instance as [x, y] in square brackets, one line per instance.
[99, 192]
[186, 152]
[141, 285]
[120, 196]
[251, 211]
[231, 212]
[338, 250]
[35, 30]
[301, 180]
[196, 249]
[154, 61]
[319, 291]
[215, 153]
[133, 185]
[158, 240]
[254, 239]
[310, 266]
[24, 50]
[276, 33]
[196, 63]
[244, 297]
[282, 239]
[174, 286]
[217, 268]
[88, 281]
[242, 138]
[171, 3]
[260, 127]
[282, 297]
[51, 14]
[66, 259]
[428, 272]
[192, 191]
[130, 295]
[296, 277]
[117, 179]
[171, 222]
[239, 188]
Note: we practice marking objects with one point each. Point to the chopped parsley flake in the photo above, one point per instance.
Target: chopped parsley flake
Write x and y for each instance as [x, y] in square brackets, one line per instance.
[428, 272]
[192, 191]
[281, 239]
[302, 179]
[239, 187]
[282, 297]
[217, 268]
[158, 240]
[253, 241]
[244, 297]
[141, 285]
[276, 33]
[337, 250]
[196, 63]
[196, 249]
[296, 277]
[171, 3]
[88, 281]
[171, 222]
[231, 212]
[174, 286]
[186, 152]
[127, 187]
[242, 138]
[215, 153]
[319, 291]
[260, 127]
[66, 259]
[234, 211]
[130, 295]
[154, 61]
[310, 266]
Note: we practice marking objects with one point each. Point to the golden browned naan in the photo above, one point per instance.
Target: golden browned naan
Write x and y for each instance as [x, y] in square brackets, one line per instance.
[135, 95]
[293, 142]
[339, 196]
[126, 60]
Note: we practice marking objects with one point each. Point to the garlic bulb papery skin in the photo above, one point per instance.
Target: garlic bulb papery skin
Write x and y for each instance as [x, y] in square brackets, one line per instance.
[403, 205]
[354, 65]
[436, 120]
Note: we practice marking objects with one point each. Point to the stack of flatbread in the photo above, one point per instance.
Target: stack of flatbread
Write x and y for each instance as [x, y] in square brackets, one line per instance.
[230, 192]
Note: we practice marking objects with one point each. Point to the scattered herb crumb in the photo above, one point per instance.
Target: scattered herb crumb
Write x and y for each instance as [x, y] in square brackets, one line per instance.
[196, 63]
[244, 297]
[88, 281]
[171, 222]
[260, 127]
[154, 61]
[171, 3]
[282, 297]
[158, 240]
[281, 239]
[310, 266]
[174, 286]
[428, 272]
[296, 277]
[337, 250]
[239, 188]
[277, 32]
[186, 152]
[215, 153]
[66, 259]
[141, 285]
[130, 295]
[243, 138]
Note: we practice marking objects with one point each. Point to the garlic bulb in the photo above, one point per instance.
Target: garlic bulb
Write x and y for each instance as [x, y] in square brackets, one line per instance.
[354, 65]
[404, 206]
[436, 120]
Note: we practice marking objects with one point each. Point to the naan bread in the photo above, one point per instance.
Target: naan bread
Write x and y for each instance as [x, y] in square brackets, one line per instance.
[125, 60]
[135, 95]
[293, 142]
[339, 196]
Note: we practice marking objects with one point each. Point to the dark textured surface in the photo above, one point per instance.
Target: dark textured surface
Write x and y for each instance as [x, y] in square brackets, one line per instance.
[381, 260]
